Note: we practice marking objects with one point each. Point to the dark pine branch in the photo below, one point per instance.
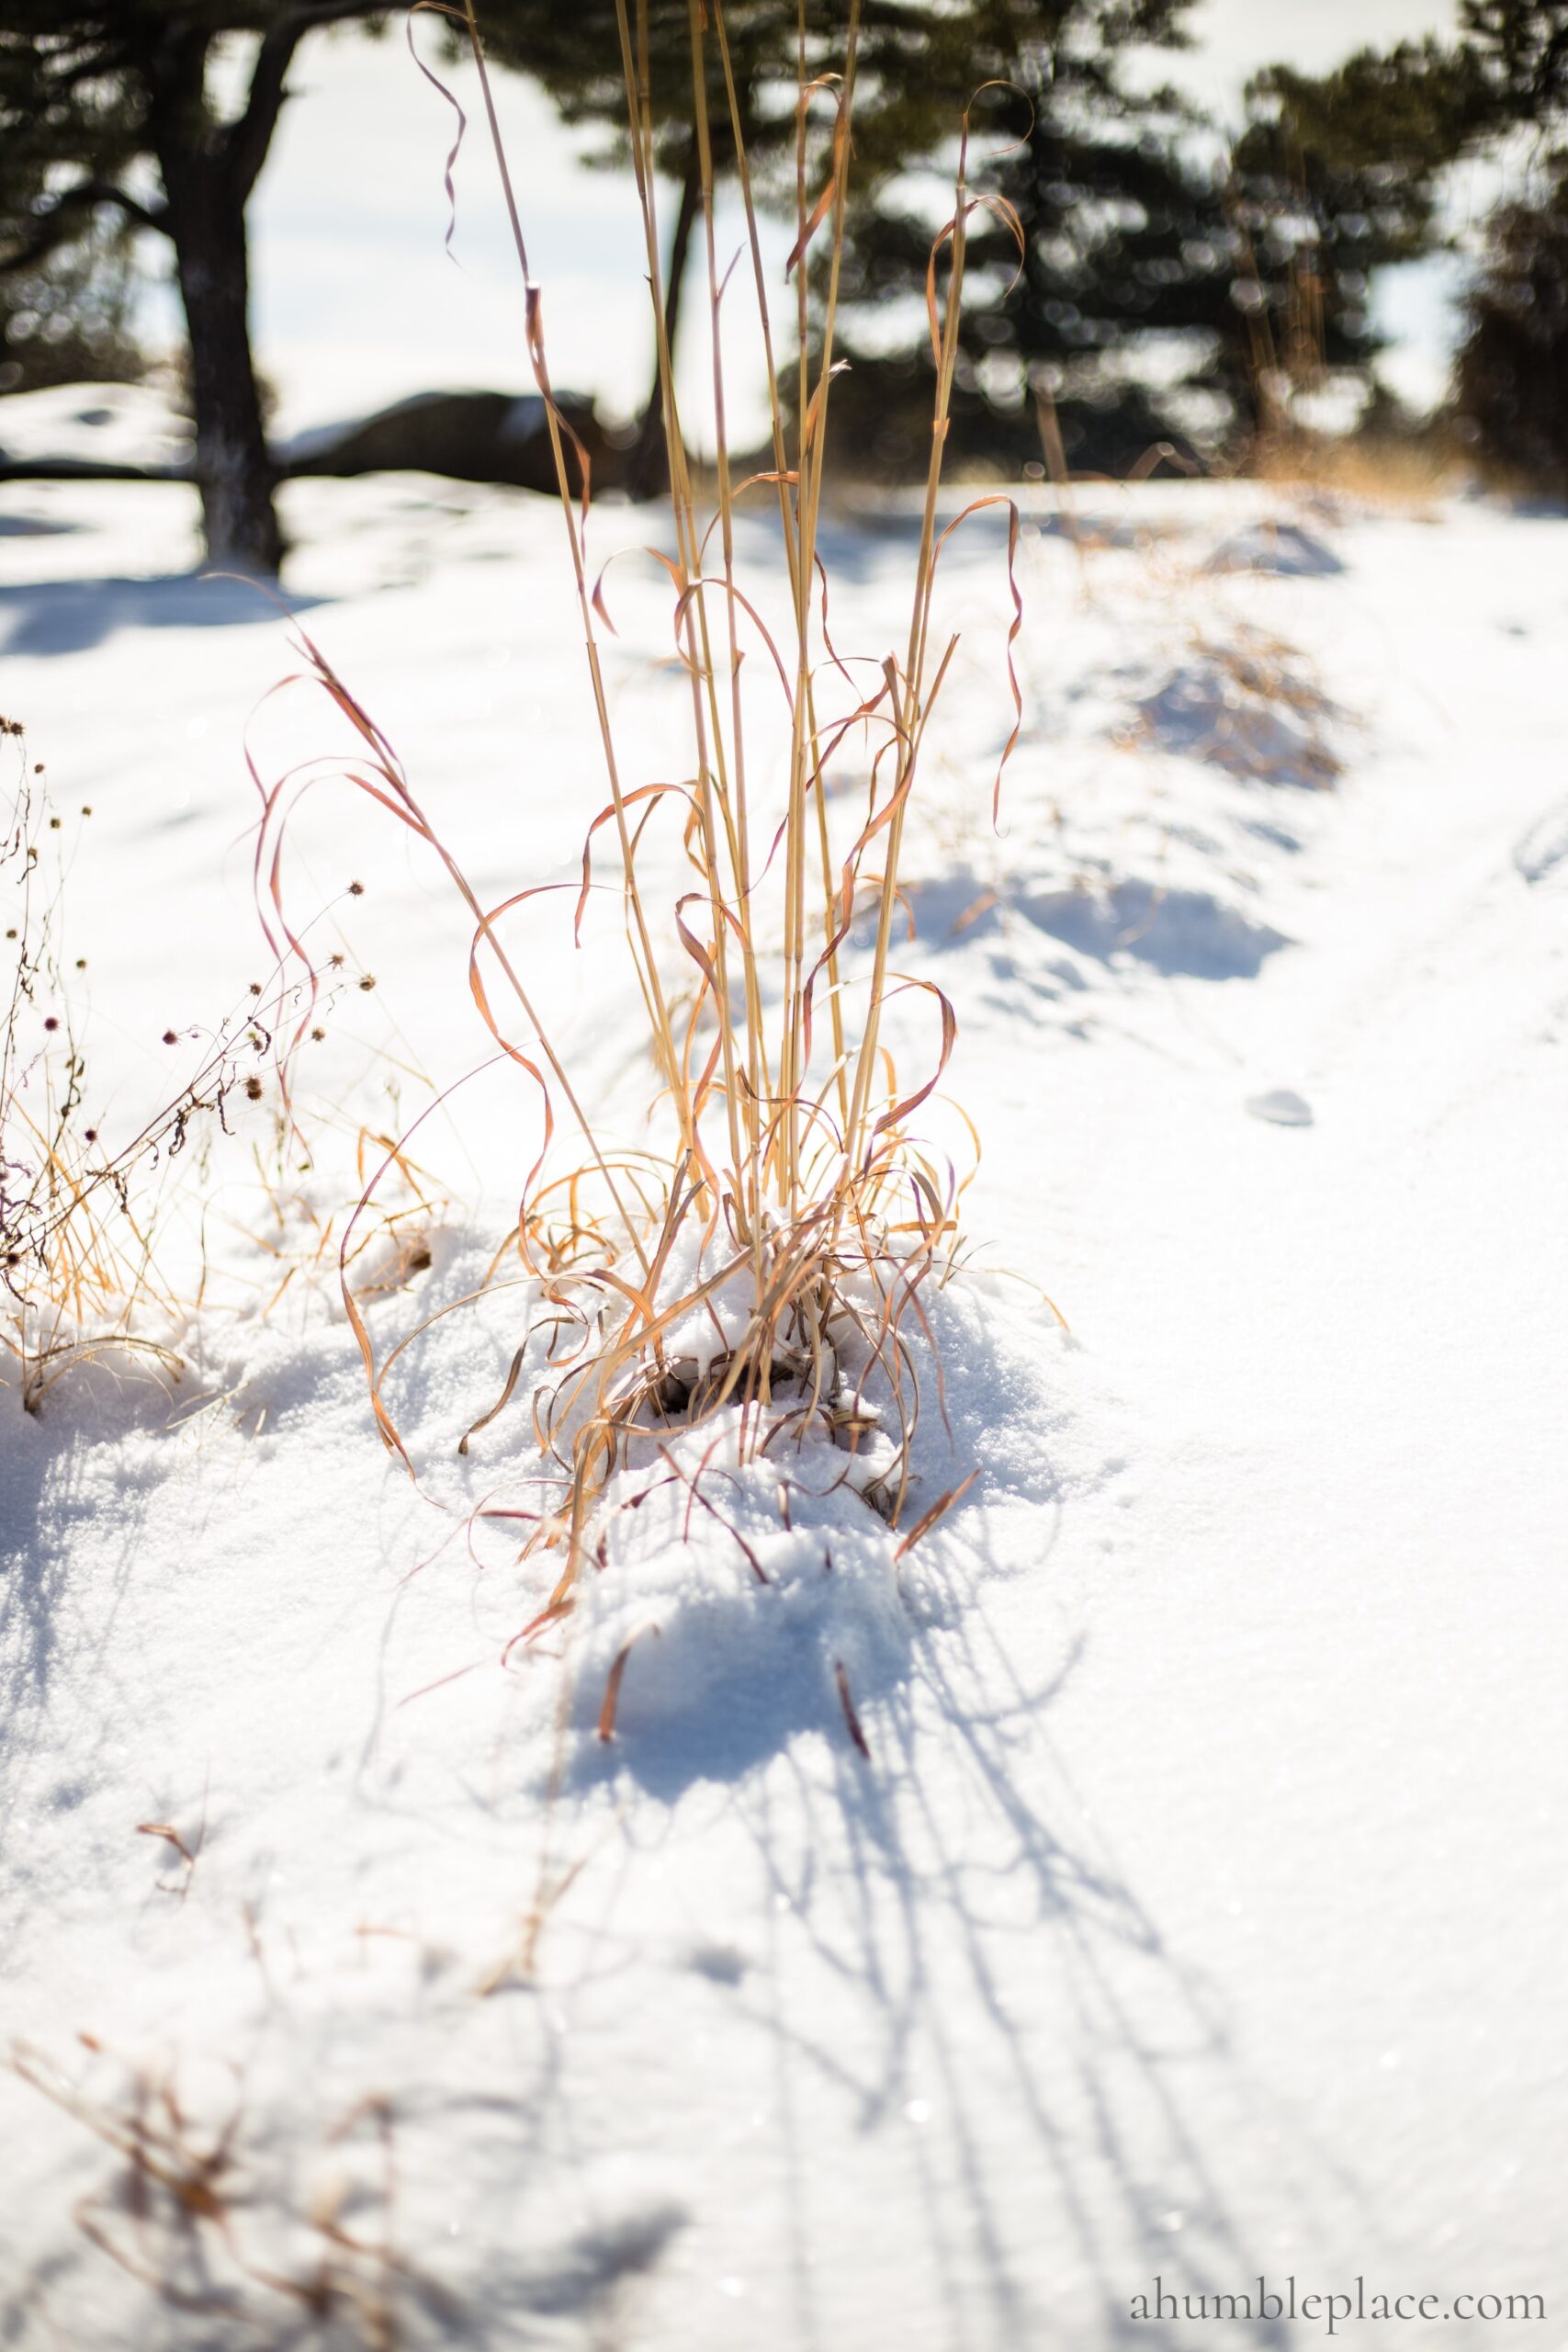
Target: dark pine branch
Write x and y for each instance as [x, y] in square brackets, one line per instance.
[58, 223]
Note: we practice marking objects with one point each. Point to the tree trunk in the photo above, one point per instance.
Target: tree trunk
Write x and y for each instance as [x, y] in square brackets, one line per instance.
[647, 472]
[234, 470]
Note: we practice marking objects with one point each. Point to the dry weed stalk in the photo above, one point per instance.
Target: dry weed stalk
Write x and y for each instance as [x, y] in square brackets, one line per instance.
[762, 1276]
[88, 1254]
[76, 1259]
[1249, 702]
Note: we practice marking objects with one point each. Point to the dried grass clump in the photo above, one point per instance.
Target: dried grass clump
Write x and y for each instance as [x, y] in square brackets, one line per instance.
[757, 1274]
[76, 1259]
[1251, 704]
[104, 1261]
[1407, 473]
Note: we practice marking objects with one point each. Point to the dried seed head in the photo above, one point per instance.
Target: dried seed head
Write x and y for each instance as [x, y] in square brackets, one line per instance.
[50, 1022]
[170, 1038]
[357, 889]
[254, 1089]
[318, 1034]
[369, 980]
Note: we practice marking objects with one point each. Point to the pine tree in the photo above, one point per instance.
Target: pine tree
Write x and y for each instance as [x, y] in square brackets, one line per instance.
[91, 91]
[1116, 233]
[66, 316]
[99, 98]
[70, 320]
[1506, 72]
[917, 63]
[1167, 291]
[1332, 177]
[1511, 377]
[1511, 63]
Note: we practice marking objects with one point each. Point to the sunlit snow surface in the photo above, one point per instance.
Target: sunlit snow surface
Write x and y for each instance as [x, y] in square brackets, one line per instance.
[1198, 1910]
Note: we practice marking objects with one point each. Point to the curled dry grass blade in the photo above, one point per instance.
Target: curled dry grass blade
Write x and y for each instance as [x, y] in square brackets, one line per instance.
[758, 1275]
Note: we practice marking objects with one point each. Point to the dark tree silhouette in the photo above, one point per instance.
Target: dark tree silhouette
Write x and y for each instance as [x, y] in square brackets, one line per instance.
[113, 103]
[1169, 289]
[1512, 372]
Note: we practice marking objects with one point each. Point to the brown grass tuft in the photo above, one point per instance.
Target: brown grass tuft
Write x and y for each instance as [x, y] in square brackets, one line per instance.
[788, 1205]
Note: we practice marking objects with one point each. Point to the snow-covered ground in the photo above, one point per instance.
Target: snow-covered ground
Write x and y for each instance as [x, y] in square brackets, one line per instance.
[1199, 1910]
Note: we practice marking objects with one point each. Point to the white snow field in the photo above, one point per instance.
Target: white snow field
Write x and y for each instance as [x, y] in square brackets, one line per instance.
[1199, 1911]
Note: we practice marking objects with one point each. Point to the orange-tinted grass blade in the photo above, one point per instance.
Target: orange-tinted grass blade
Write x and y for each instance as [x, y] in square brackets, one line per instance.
[848, 1704]
[787, 476]
[824, 203]
[733, 595]
[439, 1684]
[817, 402]
[597, 599]
[927, 1520]
[997, 498]
[901, 1110]
[162, 1829]
[534, 312]
[832, 649]
[613, 1682]
[1000, 209]
[607, 815]
[501, 1404]
[440, 8]
[560, 1605]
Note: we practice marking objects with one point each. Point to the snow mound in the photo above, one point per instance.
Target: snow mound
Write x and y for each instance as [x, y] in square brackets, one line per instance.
[358, 1789]
[1250, 706]
[732, 1630]
[1281, 1107]
[468, 436]
[90, 426]
[1174, 930]
[743, 1597]
[1282, 549]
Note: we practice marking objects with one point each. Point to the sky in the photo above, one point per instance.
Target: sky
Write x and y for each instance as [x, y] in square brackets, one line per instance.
[357, 302]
